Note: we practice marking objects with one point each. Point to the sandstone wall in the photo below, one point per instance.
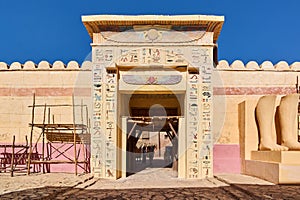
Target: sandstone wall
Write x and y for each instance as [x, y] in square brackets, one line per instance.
[52, 84]
[55, 83]
[238, 82]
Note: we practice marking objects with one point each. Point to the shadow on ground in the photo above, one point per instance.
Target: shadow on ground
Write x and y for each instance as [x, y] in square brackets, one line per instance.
[157, 163]
[228, 192]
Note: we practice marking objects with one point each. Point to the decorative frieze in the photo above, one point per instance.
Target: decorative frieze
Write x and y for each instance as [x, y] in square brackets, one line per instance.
[151, 56]
[152, 79]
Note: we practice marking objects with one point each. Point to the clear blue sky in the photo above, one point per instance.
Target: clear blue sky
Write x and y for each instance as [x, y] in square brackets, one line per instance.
[52, 29]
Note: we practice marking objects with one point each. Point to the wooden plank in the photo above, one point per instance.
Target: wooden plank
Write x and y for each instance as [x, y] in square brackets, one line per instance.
[56, 162]
[59, 126]
[172, 129]
[68, 137]
[13, 157]
[155, 117]
[74, 132]
[56, 105]
[16, 146]
[43, 139]
[132, 129]
[31, 134]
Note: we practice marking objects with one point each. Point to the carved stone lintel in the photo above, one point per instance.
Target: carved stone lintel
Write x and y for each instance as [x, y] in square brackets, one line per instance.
[152, 80]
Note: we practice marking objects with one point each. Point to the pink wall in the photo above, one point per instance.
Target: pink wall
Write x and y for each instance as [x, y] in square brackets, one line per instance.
[68, 152]
[227, 158]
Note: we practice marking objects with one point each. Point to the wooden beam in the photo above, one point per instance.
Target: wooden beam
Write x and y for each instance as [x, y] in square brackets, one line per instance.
[132, 129]
[159, 145]
[74, 135]
[43, 139]
[170, 136]
[173, 130]
[12, 157]
[31, 134]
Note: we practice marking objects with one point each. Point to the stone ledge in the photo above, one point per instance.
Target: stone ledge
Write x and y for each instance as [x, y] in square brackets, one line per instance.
[276, 173]
[283, 157]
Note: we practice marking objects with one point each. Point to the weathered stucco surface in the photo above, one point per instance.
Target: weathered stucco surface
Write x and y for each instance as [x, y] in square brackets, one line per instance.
[238, 82]
[52, 84]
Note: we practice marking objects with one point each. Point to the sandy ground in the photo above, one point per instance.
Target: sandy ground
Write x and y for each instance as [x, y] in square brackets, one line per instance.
[23, 182]
[150, 183]
[154, 176]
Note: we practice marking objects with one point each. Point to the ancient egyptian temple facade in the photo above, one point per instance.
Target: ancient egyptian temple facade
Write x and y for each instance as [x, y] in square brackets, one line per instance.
[143, 61]
[150, 77]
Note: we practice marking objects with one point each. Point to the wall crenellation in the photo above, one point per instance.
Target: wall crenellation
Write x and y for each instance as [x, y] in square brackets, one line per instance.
[87, 65]
[44, 65]
[253, 65]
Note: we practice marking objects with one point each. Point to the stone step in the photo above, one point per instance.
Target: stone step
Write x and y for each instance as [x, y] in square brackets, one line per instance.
[284, 157]
[275, 172]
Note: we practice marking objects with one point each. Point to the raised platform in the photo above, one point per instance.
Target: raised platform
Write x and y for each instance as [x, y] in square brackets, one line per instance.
[279, 167]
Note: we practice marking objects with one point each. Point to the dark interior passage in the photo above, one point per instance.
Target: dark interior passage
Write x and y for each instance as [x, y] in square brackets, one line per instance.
[152, 130]
[145, 147]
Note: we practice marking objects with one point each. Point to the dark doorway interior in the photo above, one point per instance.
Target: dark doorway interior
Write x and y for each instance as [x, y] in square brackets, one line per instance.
[152, 130]
[144, 143]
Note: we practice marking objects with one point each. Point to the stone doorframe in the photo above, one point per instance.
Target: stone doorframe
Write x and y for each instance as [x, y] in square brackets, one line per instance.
[153, 47]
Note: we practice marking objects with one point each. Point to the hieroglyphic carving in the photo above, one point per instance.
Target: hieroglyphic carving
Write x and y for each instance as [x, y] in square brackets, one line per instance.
[206, 117]
[110, 124]
[151, 56]
[199, 103]
[99, 56]
[101, 95]
[201, 59]
[108, 55]
[96, 157]
[196, 55]
[206, 65]
[97, 150]
[130, 57]
[206, 143]
[103, 55]
[193, 126]
[174, 56]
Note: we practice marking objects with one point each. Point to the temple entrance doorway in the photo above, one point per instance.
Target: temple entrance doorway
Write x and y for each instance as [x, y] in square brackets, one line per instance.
[152, 123]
